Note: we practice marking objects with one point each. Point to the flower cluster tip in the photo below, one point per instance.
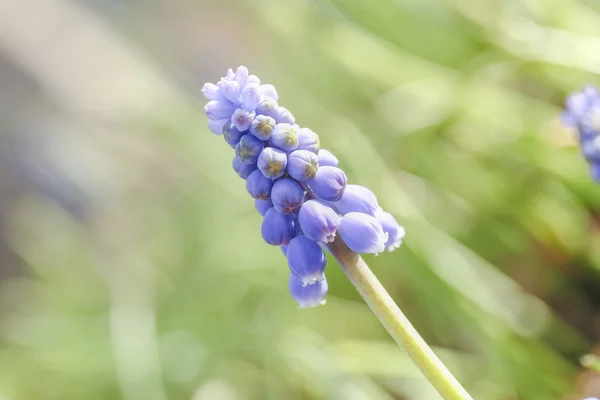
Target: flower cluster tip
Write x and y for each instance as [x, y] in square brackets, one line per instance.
[298, 187]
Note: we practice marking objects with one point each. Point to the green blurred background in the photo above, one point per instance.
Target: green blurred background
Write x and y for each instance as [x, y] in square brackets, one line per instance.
[131, 261]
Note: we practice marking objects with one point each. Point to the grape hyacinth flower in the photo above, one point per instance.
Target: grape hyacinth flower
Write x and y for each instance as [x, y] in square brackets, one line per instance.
[285, 137]
[363, 233]
[248, 149]
[298, 188]
[329, 183]
[318, 221]
[272, 162]
[306, 260]
[302, 165]
[287, 196]
[308, 295]
[299, 191]
[583, 113]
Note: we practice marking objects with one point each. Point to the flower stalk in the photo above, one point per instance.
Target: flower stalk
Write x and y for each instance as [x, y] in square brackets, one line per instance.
[396, 323]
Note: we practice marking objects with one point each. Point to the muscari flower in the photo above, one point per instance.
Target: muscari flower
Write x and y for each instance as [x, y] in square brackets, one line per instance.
[259, 186]
[287, 196]
[308, 140]
[306, 260]
[329, 183]
[272, 162]
[262, 206]
[357, 198]
[318, 221]
[243, 170]
[362, 233]
[297, 186]
[307, 295]
[327, 159]
[390, 226]
[285, 137]
[583, 112]
[302, 165]
[262, 127]
[277, 229]
[248, 149]
[231, 134]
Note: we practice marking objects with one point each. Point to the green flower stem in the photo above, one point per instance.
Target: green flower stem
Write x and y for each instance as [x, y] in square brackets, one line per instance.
[396, 323]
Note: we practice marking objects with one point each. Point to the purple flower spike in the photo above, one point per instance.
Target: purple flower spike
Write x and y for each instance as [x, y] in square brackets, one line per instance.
[219, 109]
[262, 127]
[243, 170]
[285, 137]
[231, 134]
[277, 229]
[327, 159]
[272, 162]
[308, 296]
[318, 222]
[300, 191]
[390, 226]
[262, 206]
[357, 198]
[258, 186]
[306, 260]
[248, 149]
[362, 233]
[287, 196]
[268, 107]
[242, 119]
[329, 183]
[308, 140]
[250, 96]
[302, 165]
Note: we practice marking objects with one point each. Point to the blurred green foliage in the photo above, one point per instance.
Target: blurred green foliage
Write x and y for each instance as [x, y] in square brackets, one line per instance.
[446, 109]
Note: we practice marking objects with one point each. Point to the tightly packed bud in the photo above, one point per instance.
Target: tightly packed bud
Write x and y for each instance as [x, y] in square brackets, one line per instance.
[308, 140]
[394, 231]
[319, 222]
[326, 159]
[259, 186]
[219, 109]
[248, 149]
[242, 119]
[262, 127]
[306, 260]
[243, 170]
[284, 116]
[287, 196]
[284, 168]
[272, 162]
[268, 107]
[231, 134]
[329, 183]
[307, 295]
[362, 233]
[262, 206]
[284, 137]
[277, 229]
[357, 198]
[302, 165]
